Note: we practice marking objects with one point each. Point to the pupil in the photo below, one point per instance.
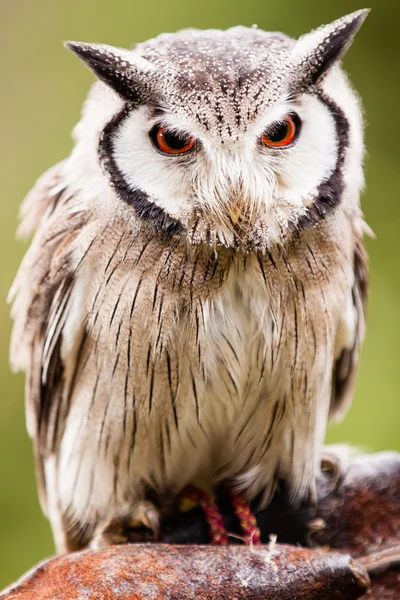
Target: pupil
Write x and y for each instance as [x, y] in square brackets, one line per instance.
[279, 133]
[174, 141]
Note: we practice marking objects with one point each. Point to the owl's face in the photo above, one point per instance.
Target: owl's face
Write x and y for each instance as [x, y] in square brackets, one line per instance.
[237, 137]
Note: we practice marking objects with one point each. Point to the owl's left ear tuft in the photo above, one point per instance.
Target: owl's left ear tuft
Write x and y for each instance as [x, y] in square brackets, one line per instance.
[316, 52]
[118, 68]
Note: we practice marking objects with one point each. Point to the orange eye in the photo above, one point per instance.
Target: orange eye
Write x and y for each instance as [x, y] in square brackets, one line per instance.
[282, 133]
[170, 142]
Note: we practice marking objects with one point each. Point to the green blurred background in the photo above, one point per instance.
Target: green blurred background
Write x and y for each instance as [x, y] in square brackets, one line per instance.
[42, 88]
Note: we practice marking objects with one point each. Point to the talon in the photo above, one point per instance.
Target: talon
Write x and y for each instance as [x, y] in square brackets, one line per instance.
[316, 525]
[109, 535]
[145, 513]
[330, 466]
[333, 469]
[151, 519]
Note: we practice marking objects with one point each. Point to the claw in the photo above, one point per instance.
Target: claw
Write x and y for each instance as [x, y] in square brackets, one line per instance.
[334, 467]
[116, 531]
[145, 513]
[108, 535]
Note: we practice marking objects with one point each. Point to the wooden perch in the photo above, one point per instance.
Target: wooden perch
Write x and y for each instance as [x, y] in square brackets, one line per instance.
[137, 571]
[359, 505]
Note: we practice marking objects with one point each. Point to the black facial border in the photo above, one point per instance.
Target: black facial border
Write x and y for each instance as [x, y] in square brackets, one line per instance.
[138, 199]
[330, 191]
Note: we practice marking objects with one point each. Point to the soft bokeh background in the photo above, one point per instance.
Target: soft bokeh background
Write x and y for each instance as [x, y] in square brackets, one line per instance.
[42, 88]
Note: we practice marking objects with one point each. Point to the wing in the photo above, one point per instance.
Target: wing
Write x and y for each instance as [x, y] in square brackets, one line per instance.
[41, 296]
[43, 196]
[345, 370]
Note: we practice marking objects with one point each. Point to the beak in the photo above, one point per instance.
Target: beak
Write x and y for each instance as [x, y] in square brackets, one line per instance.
[234, 214]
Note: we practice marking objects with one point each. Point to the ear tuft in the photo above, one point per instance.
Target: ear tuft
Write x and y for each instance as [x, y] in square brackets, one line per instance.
[316, 52]
[117, 68]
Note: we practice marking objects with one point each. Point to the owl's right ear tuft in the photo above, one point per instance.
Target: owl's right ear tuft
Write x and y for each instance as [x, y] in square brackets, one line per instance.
[116, 67]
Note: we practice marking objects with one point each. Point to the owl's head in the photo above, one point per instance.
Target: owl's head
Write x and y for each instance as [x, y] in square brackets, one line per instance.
[237, 137]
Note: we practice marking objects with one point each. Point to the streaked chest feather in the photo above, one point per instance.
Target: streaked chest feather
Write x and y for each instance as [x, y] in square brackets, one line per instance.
[195, 370]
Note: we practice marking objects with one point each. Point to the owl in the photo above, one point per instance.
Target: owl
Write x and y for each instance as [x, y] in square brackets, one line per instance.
[191, 307]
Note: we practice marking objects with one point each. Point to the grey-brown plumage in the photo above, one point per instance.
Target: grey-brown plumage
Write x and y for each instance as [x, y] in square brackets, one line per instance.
[198, 314]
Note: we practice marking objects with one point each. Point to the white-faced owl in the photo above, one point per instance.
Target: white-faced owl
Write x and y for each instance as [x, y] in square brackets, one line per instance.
[192, 303]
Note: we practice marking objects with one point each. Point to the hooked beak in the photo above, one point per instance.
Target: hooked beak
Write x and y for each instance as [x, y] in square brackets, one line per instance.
[234, 214]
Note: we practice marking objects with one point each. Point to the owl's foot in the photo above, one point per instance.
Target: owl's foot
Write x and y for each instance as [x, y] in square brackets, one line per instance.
[145, 513]
[218, 533]
[111, 533]
[116, 531]
[334, 467]
[247, 520]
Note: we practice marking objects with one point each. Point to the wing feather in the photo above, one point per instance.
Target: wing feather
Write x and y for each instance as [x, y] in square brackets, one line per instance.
[345, 369]
[41, 296]
[42, 198]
